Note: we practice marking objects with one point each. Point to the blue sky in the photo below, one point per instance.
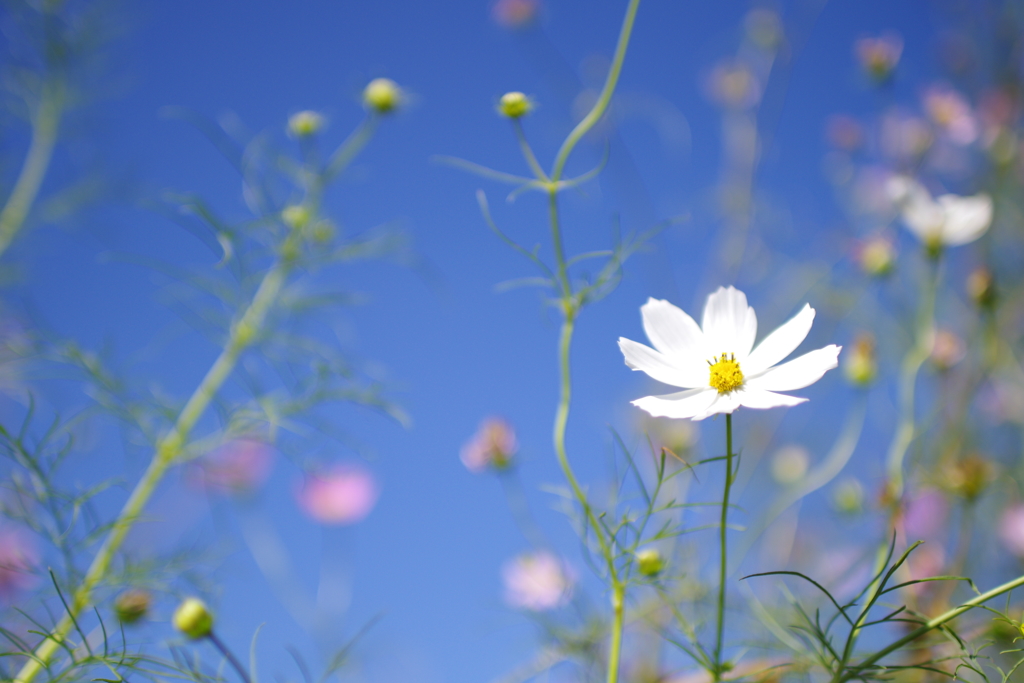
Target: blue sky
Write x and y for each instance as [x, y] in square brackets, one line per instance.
[454, 351]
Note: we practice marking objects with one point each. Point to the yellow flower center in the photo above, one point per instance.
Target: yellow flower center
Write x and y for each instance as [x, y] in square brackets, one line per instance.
[725, 373]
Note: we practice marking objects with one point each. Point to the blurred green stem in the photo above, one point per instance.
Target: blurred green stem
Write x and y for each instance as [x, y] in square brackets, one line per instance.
[723, 556]
[37, 161]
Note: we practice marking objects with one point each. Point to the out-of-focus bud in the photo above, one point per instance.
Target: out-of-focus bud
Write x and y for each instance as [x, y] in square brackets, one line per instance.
[844, 132]
[193, 618]
[947, 350]
[879, 56]
[515, 105]
[678, 436]
[877, 257]
[650, 562]
[296, 216]
[323, 232]
[859, 365]
[515, 13]
[382, 95]
[764, 28]
[733, 85]
[494, 445]
[790, 464]
[305, 123]
[981, 287]
[970, 476]
[132, 605]
[848, 496]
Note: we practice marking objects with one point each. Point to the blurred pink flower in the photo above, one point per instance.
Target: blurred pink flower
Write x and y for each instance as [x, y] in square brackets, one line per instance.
[493, 445]
[925, 514]
[879, 56]
[733, 85]
[515, 13]
[951, 114]
[1011, 529]
[239, 466]
[844, 132]
[537, 581]
[947, 349]
[18, 556]
[344, 494]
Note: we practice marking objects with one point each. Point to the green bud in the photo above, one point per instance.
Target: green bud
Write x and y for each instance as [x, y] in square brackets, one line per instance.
[305, 124]
[295, 216]
[650, 562]
[848, 496]
[132, 605]
[382, 95]
[193, 619]
[515, 105]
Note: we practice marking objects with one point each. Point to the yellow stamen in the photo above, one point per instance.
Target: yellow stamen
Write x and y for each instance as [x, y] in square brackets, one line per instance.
[725, 373]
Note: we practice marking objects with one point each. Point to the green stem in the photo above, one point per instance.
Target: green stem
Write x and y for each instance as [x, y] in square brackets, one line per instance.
[230, 656]
[841, 676]
[723, 557]
[37, 160]
[912, 362]
[528, 154]
[614, 651]
[595, 114]
[168, 451]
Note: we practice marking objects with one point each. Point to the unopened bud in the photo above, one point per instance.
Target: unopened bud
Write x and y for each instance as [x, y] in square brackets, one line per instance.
[295, 216]
[981, 287]
[947, 350]
[790, 464]
[305, 124]
[193, 619]
[515, 105]
[323, 232]
[859, 365]
[848, 496]
[650, 562]
[970, 477]
[877, 257]
[132, 605]
[382, 95]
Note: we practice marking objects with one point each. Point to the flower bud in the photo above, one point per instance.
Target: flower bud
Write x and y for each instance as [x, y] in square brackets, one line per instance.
[877, 257]
[323, 232]
[859, 365]
[304, 124]
[132, 605]
[789, 464]
[193, 619]
[382, 95]
[515, 105]
[879, 56]
[295, 216]
[848, 496]
[650, 562]
[970, 476]
[981, 287]
[947, 350]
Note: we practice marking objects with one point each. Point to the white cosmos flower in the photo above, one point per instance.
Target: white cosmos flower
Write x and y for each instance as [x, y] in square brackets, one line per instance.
[717, 364]
[949, 220]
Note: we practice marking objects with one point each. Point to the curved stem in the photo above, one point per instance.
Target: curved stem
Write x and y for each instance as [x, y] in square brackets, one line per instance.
[37, 161]
[168, 451]
[230, 656]
[603, 99]
[723, 556]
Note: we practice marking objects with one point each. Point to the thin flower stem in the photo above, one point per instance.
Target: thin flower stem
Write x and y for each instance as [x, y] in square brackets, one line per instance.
[528, 154]
[37, 161]
[857, 671]
[615, 649]
[912, 362]
[595, 114]
[168, 451]
[230, 656]
[723, 557]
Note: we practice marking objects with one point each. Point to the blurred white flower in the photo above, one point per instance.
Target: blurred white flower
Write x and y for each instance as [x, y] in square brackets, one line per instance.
[537, 581]
[949, 220]
[717, 363]
[951, 114]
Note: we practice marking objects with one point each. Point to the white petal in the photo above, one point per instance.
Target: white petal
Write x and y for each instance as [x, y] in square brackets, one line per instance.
[761, 399]
[723, 403]
[780, 343]
[797, 373]
[922, 216]
[661, 367]
[672, 331]
[680, 405]
[729, 324]
[967, 218]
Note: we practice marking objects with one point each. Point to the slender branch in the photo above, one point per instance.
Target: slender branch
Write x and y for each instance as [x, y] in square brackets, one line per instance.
[595, 114]
[615, 649]
[230, 656]
[37, 161]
